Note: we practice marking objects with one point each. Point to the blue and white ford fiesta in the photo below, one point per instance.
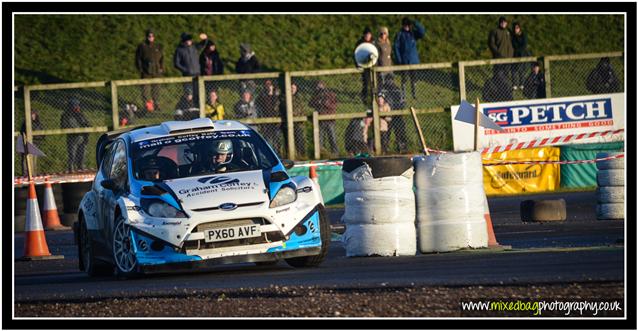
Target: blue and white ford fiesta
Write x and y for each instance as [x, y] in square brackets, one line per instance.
[188, 193]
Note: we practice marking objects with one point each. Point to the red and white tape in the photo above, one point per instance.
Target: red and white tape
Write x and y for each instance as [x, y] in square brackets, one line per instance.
[549, 141]
[497, 163]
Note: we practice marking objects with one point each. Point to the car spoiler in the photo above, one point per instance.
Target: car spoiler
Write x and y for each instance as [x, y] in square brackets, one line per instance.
[107, 138]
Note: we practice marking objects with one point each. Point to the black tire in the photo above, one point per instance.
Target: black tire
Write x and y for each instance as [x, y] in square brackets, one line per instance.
[381, 166]
[315, 260]
[543, 210]
[266, 263]
[20, 202]
[72, 194]
[124, 267]
[86, 255]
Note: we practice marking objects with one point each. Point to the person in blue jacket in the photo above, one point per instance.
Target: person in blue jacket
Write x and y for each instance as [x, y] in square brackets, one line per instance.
[405, 50]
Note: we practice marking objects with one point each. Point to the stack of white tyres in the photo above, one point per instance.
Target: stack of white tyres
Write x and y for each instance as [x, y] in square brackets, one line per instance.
[379, 213]
[611, 187]
[450, 202]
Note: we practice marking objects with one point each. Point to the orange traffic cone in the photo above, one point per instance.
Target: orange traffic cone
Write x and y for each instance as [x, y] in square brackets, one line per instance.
[50, 216]
[35, 244]
[491, 238]
[313, 174]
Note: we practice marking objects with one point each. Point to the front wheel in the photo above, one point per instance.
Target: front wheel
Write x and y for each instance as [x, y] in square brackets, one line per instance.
[315, 260]
[123, 253]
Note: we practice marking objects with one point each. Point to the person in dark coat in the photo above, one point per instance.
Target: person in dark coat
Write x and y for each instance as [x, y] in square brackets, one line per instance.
[247, 64]
[405, 50]
[497, 88]
[324, 101]
[268, 104]
[245, 107]
[365, 75]
[75, 142]
[603, 79]
[519, 43]
[149, 61]
[396, 99]
[36, 125]
[500, 43]
[209, 60]
[535, 83]
[186, 60]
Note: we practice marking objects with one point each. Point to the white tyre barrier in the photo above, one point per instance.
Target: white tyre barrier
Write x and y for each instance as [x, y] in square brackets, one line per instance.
[610, 194]
[618, 163]
[379, 212]
[610, 211]
[450, 202]
[611, 177]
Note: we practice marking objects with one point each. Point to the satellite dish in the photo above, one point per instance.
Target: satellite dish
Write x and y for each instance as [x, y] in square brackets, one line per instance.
[366, 55]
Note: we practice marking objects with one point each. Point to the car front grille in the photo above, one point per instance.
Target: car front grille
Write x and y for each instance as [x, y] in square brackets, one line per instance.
[266, 237]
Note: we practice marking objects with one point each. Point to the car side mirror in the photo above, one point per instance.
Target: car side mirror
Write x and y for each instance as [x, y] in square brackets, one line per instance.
[108, 184]
[288, 163]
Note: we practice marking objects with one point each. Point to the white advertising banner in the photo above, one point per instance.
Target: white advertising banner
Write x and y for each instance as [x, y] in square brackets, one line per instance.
[529, 120]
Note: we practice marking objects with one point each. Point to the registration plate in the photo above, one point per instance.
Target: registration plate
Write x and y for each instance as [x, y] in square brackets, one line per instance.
[232, 233]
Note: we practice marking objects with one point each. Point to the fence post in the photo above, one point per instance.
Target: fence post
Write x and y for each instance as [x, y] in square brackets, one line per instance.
[201, 86]
[548, 82]
[289, 116]
[462, 95]
[315, 134]
[27, 127]
[375, 112]
[115, 115]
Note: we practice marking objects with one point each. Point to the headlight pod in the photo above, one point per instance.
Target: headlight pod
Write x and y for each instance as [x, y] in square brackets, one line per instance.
[285, 196]
[159, 208]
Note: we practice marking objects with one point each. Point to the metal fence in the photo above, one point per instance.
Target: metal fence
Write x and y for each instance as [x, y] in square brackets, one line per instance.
[326, 113]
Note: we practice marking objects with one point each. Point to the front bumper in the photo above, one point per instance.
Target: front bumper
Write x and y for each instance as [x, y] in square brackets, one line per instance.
[153, 251]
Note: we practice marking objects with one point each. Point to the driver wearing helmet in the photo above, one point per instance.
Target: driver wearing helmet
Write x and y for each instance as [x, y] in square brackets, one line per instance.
[221, 155]
[151, 169]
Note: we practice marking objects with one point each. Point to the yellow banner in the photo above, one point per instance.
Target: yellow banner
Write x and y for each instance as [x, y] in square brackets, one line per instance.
[521, 178]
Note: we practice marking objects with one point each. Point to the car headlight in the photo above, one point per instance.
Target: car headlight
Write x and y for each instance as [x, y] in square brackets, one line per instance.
[159, 208]
[285, 196]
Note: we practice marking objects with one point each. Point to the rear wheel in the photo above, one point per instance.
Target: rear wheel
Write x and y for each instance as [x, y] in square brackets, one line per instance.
[123, 253]
[315, 260]
[87, 260]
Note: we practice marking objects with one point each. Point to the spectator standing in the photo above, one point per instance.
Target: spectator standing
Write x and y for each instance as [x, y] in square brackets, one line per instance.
[395, 97]
[186, 60]
[245, 107]
[384, 47]
[405, 50]
[365, 75]
[268, 104]
[209, 60]
[384, 107]
[324, 101]
[214, 108]
[519, 43]
[500, 43]
[603, 79]
[36, 125]
[356, 134]
[75, 142]
[247, 64]
[149, 60]
[535, 83]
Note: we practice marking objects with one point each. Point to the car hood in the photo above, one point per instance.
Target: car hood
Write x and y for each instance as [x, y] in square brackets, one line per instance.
[211, 191]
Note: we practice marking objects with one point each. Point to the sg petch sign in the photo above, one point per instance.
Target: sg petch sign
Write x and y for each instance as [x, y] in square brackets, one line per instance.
[529, 120]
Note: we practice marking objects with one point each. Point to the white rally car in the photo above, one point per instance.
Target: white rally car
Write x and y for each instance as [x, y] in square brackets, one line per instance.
[196, 192]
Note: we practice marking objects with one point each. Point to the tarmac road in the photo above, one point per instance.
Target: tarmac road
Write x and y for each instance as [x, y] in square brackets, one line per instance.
[581, 249]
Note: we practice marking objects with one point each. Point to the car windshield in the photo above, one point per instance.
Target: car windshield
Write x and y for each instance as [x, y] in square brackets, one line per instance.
[197, 154]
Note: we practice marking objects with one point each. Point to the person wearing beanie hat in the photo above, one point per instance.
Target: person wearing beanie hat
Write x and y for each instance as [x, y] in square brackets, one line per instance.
[500, 40]
[149, 61]
[186, 60]
[209, 60]
[366, 37]
[384, 47]
[405, 50]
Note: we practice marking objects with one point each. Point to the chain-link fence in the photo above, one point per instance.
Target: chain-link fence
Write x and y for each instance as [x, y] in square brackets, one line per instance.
[65, 121]
[332, 111]
[586, 74]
